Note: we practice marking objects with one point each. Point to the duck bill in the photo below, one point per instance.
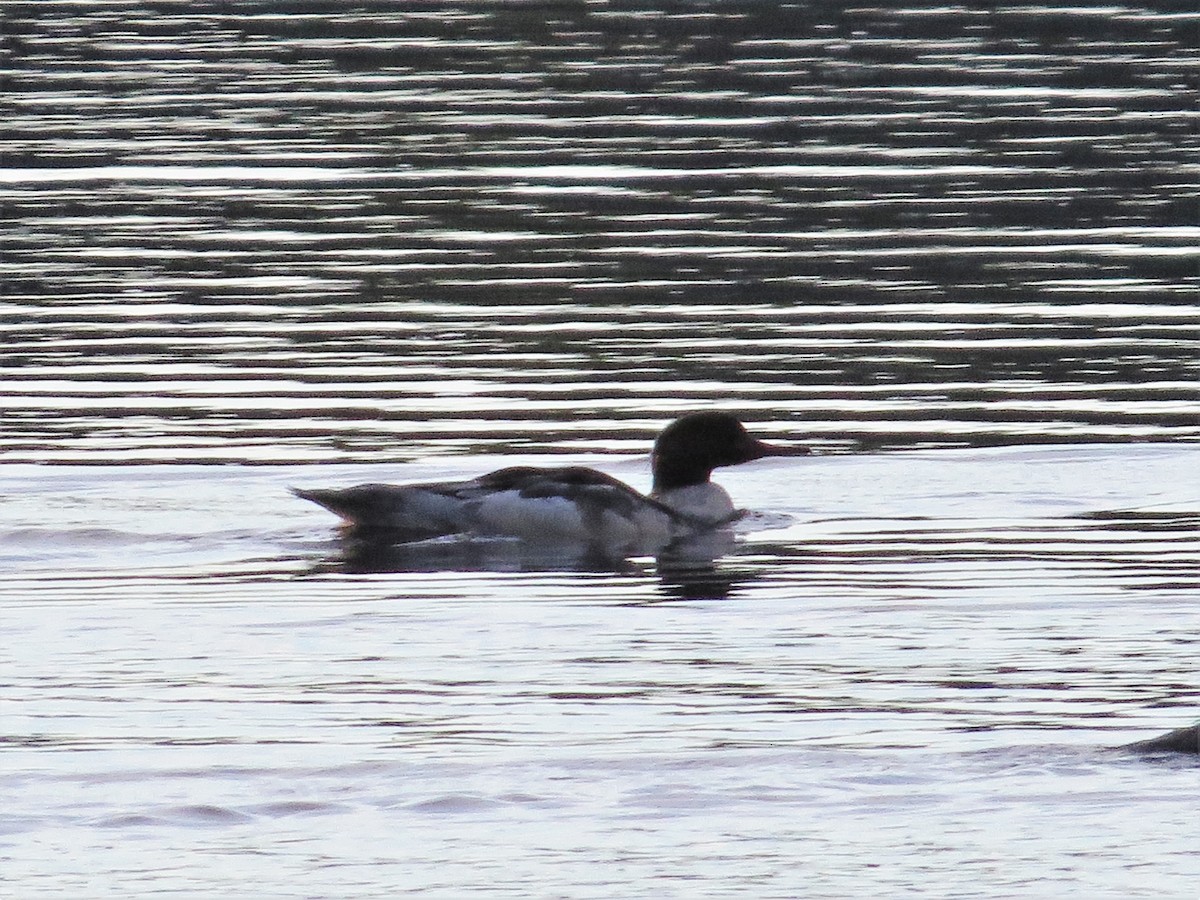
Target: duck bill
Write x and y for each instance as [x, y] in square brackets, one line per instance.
[759, 449]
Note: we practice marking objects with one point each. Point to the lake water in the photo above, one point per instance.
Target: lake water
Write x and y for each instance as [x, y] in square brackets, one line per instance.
[953, 250]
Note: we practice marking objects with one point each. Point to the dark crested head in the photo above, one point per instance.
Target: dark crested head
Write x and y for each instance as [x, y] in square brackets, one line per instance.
[692, 446]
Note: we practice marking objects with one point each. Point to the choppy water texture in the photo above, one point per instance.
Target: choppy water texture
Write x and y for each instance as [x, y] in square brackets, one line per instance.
[376, 241]
[365, 234]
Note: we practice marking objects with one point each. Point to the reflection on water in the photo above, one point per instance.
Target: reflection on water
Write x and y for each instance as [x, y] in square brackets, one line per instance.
[693, 569]
[373, 234]
[377, 554]
[380, 551]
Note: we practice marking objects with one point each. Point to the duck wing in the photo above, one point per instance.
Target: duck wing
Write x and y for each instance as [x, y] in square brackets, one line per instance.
[577, 484]
[570, 502]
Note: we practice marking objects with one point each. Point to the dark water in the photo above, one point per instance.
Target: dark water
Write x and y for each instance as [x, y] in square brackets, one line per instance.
[390, 241]
[372, 232]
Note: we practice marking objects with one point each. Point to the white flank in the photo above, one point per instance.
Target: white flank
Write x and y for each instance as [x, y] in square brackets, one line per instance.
[509, 513]
[419, 508]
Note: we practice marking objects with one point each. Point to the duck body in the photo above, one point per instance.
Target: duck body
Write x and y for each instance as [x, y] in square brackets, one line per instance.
[565, 504]
[570, 503]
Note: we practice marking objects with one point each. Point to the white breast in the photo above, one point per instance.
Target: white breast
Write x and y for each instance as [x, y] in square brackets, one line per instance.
[707, 502]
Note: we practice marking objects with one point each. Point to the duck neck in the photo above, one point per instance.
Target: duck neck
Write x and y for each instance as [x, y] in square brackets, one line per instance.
[672, 473]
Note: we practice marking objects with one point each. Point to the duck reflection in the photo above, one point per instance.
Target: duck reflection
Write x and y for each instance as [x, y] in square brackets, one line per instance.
[691, 568]
[374, 553]
[699, 569]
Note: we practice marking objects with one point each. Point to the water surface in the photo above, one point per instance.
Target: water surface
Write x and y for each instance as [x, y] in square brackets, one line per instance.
[904, 676]
[245, 248]
[377, 233]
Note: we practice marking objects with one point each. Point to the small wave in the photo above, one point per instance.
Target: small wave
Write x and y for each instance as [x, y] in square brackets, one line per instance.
[67, 538]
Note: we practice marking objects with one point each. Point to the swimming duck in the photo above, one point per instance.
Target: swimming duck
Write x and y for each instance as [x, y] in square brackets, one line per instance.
[571, 503]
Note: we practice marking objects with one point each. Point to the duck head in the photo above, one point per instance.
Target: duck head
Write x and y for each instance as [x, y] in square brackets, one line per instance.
[688, 449]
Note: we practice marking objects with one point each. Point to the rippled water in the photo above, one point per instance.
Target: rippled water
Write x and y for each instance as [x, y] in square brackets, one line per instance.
[374, 234]
[414, 241]
[904, 679]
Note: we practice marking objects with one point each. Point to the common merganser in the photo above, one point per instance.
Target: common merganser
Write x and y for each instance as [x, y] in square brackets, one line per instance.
[571, 503]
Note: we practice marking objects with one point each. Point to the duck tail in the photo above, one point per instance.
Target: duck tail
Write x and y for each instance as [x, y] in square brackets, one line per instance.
[408, 512]
[349, 504]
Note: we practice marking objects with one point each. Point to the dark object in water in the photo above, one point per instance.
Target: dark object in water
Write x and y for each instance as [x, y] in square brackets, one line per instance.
[1181, 740]
[571, 502]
